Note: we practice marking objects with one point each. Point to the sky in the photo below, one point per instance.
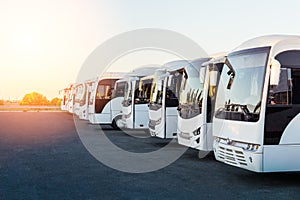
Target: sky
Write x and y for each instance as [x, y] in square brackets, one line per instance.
[43, 43]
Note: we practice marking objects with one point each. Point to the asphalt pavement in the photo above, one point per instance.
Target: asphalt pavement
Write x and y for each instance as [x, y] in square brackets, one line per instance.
[42, 157]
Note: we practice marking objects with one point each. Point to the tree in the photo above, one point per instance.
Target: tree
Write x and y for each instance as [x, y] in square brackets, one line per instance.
[55, 101]
[34, 98]
[1, 102]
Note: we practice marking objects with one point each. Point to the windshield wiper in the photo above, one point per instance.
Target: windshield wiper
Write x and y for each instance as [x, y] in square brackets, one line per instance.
[248, 115]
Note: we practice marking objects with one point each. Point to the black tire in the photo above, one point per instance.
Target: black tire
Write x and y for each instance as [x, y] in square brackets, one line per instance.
[114, 123]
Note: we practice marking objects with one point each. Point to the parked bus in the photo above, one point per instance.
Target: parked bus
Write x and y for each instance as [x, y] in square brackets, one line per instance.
[70, 107]
[106, 99]
[257, 122]
[137, 96]
[164, 99]
[80, 96]
[65, 98]
[83, 104]
[196, 104]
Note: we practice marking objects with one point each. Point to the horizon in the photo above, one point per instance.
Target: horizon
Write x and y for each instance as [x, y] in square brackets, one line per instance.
[45, 43]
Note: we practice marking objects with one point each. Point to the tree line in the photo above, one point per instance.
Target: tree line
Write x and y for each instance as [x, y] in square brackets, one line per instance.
[36, 99]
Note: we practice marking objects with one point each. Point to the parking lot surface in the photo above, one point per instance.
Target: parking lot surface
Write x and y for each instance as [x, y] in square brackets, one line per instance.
[42, 157]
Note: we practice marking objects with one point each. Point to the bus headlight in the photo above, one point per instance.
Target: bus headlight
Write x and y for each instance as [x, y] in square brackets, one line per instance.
[197, 131]
[217, 139]
[252, 147]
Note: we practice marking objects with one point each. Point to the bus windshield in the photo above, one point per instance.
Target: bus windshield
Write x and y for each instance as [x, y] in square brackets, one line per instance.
[80, 93]
[190, 95]
[240, 89]
[157, 92]
[173, 89]
[127, 94]
[142, 94]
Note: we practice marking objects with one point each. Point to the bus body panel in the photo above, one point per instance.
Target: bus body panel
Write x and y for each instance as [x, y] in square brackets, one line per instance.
[281, 158]
[83, 112]
[291, 133]
[76, 109]
[127, 111]
[156, 123]
[187, 137]
[116, 107]
[249, 132]
[141, 116]
[171, 122]
[127, 117]
[102, 118]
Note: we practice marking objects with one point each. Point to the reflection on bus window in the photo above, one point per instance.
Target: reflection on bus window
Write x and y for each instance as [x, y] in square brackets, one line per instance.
[103, 92]
[120, 89]
[282, 93]
[142, 93]
[172, 92]
[157, 92]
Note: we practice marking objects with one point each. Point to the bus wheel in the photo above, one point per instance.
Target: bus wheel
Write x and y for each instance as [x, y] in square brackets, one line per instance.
[117, 123]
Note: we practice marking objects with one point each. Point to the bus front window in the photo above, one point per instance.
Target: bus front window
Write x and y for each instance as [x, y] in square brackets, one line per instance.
[240, 91]
[172, 91]
[191, 96]
[142, 94]
[157, 93]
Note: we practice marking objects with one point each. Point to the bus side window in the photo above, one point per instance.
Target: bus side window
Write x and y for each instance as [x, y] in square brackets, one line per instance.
[282, 93]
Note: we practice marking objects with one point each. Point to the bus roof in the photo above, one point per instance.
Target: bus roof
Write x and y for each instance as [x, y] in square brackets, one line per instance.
[278, 43]
[148, 77]
[175, 65]
[144, 70]
[112, 75]
[216, 58]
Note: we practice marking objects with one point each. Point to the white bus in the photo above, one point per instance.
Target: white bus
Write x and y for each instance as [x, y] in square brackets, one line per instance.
[70, 106]
[257, 122]
[164, 99]
[196, 102]
[83, 104]
[106, 100]
[137, 96]
[65, 98]
[80, 97]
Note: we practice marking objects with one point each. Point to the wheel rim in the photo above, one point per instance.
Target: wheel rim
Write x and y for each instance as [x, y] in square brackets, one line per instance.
[119, 123]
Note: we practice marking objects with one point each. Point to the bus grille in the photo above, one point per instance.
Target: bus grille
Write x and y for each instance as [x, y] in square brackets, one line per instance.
[231, 156]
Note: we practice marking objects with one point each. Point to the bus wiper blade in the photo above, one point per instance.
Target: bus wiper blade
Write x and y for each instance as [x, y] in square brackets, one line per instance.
[234, 107]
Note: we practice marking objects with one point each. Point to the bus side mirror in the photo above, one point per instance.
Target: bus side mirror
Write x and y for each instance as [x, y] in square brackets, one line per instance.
[202, 75]
[275, 72]
[213, 78]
